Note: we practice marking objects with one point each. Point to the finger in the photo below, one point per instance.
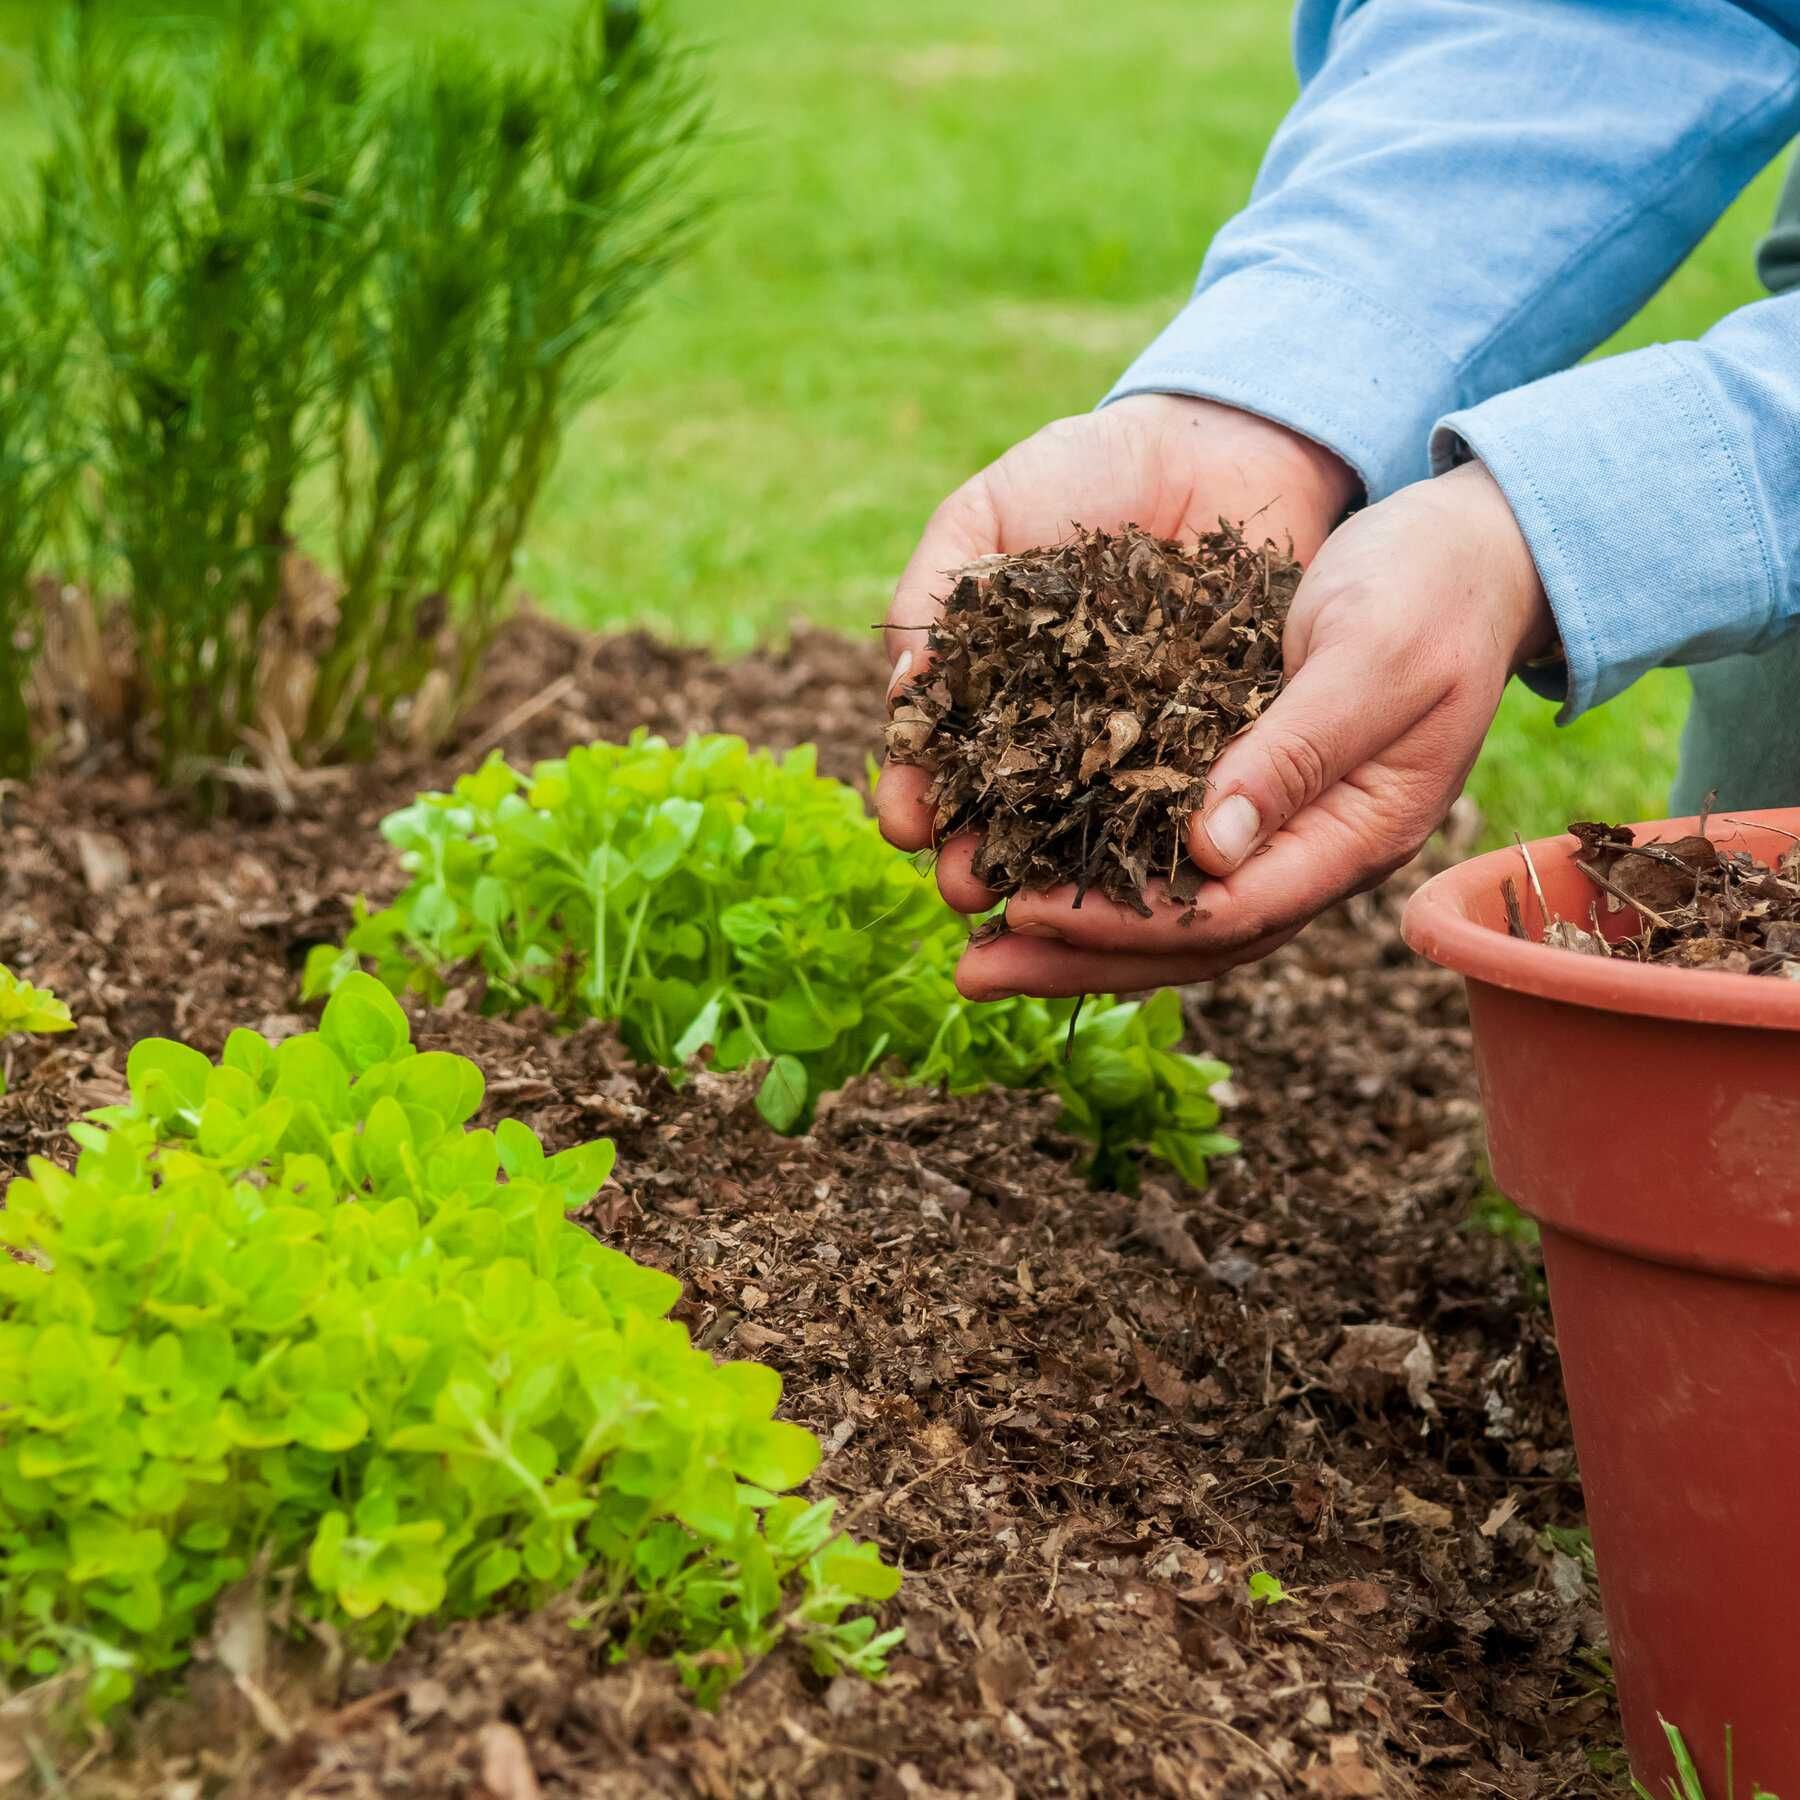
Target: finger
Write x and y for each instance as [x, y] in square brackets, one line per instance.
[901, 809]
[905, 818]
[1349, 840]
[1102, 924]
[957, 880]
[1013, 965]
[1345, 704]
[1352, 838]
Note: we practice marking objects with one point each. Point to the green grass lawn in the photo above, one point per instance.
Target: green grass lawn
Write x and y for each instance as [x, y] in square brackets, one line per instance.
[941, 227]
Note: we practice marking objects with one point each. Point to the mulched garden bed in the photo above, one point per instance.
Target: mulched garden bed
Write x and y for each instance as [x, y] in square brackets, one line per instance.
[1080, 1420]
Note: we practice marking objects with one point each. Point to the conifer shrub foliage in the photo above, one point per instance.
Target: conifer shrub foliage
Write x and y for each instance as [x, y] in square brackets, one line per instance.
[519, 217]
[213, 212]
[289, 1315]
[37, 462]
[714, 899]
[323, 299]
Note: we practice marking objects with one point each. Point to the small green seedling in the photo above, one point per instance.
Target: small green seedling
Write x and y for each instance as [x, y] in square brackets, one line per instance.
[1686, 1784]
[719, 901]
[1573, 1541]
[32, 1010]
[1499, 1217]
[1266, 1590]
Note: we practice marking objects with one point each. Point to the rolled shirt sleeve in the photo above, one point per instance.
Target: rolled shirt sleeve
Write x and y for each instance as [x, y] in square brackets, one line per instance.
[1468, 195]
[1660, 494]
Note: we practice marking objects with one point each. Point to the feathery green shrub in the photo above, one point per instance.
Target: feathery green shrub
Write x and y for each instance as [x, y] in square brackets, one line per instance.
[39, 453]
[214, 221]
[314, 293]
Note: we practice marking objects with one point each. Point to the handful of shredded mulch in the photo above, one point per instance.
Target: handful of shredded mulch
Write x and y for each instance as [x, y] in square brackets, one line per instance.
[1697, 906]
[1080, 694]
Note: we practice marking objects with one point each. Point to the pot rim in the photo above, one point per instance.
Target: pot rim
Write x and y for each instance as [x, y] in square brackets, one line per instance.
[1437, 924]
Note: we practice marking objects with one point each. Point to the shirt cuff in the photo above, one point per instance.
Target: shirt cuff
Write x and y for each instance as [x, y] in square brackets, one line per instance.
[1639, 571]
[1313, 355]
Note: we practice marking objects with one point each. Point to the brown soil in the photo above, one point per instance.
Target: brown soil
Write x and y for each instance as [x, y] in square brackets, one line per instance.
[1079, 1420]
[1078, 695]
[1688, 904]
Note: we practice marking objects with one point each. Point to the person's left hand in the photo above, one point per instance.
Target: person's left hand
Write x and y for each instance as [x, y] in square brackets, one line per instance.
[1399, 645]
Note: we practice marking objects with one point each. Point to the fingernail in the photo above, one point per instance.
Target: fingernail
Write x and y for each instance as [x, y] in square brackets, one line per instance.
[1234, 828]
[1048, 933]
[902, 668]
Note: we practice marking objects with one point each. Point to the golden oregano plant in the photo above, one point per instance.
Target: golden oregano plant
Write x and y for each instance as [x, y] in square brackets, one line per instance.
[27, 1010]
[291, 1317]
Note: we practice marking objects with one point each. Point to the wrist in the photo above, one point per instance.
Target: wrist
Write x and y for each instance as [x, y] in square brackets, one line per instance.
[1508, 575]
[1314, 483]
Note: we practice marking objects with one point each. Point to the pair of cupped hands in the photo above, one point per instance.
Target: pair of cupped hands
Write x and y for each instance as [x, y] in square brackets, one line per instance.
[1412, 615]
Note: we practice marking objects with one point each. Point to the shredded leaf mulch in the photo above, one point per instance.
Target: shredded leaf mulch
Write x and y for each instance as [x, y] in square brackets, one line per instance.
[1081, 1420]
[1078, 695]
[1693, 903]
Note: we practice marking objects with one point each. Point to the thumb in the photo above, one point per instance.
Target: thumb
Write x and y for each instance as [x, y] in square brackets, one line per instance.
[1336, 713]
[963, 528]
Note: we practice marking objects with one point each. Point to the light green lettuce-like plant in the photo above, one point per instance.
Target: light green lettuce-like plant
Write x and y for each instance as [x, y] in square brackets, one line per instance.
[712, 898]
[290, 1313]
[1265, 1589]
[31, 1010]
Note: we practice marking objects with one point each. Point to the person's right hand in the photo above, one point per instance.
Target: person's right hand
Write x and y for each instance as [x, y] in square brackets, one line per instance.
[1173, 465]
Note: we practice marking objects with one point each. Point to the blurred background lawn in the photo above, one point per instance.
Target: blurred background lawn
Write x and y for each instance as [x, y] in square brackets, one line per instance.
[941, 227]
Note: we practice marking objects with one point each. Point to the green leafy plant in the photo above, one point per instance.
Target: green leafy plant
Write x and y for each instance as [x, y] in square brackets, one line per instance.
[1493, 1213]
[1686, 1784]
[315, 295]
[290, 1314]
[711, 898]
[29, 1009]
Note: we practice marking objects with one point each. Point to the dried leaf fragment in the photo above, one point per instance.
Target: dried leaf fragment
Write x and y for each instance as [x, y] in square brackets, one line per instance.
[1497, 1520]
[1346, 1776]
[1427, 1515]
[506, 1771]
[105, 864]
[1375, 1358]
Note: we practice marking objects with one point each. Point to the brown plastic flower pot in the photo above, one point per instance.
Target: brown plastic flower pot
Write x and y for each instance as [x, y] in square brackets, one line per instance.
[1649, 1119]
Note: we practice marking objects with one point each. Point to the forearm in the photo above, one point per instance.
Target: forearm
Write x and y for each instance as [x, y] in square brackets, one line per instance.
[1657, 493]
[1467, 195]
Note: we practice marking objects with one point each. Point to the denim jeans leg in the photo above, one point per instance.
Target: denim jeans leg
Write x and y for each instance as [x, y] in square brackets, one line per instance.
[1743, 732]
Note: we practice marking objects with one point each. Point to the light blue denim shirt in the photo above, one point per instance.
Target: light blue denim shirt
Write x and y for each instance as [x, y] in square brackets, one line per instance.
[1466, 198]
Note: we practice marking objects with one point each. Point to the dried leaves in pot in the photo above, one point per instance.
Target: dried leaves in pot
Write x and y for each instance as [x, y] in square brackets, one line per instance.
[1692, 903]
[1081, 692]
